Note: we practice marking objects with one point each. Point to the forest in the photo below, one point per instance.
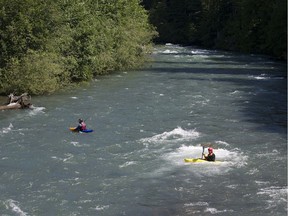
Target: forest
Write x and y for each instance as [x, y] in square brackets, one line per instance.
[49, 45]
[237, 25]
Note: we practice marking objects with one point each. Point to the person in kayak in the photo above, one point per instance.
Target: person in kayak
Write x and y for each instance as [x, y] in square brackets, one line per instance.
[81, 126]
[210, 156]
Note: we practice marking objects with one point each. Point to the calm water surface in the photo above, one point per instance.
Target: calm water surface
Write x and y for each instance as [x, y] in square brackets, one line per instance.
[145, 123]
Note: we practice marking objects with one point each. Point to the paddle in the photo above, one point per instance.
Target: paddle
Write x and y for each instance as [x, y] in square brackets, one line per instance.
[203, 151]
[207, 145]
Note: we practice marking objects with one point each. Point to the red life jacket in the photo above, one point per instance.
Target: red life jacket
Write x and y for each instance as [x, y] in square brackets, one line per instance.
[83, 126]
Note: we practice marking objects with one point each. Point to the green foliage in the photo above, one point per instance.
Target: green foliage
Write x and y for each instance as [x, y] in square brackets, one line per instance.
[48, 44]
[106, 36]
[36, 73]
[242, 25]
[176, 21]
[215, 16]
[275, 33]
[25, 24]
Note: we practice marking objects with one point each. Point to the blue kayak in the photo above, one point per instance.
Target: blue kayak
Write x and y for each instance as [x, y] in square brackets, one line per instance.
[83, 131]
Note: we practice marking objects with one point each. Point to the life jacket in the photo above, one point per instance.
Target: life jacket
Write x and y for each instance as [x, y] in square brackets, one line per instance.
[210, 157]
[83, 126]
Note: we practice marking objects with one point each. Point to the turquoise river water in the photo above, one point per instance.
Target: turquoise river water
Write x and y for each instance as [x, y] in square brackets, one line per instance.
[145, 123]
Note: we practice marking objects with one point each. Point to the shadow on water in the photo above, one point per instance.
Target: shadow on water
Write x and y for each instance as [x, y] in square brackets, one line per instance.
[267, 103]
[223, 56]
[217, 64]
[267, 106]
[195, 70]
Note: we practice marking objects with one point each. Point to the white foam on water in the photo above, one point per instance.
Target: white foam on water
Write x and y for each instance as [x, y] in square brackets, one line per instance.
[196, 152]
[262, 182]
[84, 201]
[229, 159]
[276, 196]
[36, 110]
[197, 208]
[233, 186]
[101, 207]
[196, 52]
[69, 156]
[196, 204]
[216, 211]
[274, 153]
[167, 51]
[14, 206]
[65, 160]
[261, 77]
[77, 144]
[253, 171]
[222, 143]
[56, 158]
[128, 163]
[176, 135]
[7, 129]
[234, 92]
[201, 100]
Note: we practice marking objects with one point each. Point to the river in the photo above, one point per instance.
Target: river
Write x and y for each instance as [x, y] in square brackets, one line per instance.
[145, 123]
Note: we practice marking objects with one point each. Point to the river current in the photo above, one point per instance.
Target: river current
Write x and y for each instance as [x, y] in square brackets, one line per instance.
[145, 123]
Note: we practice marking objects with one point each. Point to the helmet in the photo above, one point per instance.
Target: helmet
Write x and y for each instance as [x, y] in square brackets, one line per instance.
[80, 120]
[210, 149]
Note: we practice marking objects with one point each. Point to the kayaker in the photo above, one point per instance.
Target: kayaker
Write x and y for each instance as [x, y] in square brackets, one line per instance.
[81, 126]
[210, 156]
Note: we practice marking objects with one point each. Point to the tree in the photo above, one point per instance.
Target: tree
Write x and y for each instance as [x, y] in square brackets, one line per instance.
[240, 25]
[57, 42]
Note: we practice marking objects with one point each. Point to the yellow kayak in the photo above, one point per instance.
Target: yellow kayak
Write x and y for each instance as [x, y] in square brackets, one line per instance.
[199, 160]
[73, 129]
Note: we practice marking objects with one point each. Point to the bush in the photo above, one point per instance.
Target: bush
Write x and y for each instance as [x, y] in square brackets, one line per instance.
[44, 46]
[36, 73]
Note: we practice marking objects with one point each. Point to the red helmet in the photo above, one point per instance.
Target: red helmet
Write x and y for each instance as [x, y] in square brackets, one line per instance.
[210, 149]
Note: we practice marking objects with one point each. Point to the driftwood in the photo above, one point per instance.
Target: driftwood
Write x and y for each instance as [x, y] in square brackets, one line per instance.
[17, 102]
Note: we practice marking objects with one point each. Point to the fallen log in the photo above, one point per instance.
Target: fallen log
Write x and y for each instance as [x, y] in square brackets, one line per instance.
[17, 102]
[11, 106]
